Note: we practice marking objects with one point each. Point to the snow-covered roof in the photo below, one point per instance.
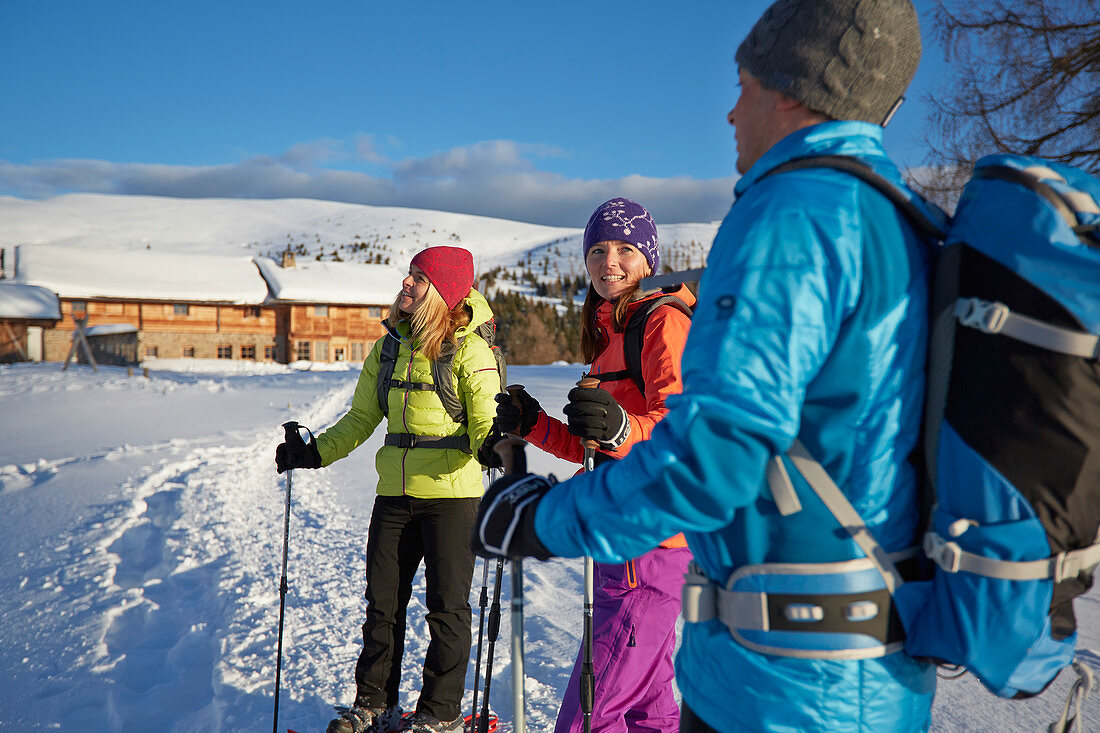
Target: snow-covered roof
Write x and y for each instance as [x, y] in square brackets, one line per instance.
[331, 282]
[28, 301]
[108, 329]
[80, 272]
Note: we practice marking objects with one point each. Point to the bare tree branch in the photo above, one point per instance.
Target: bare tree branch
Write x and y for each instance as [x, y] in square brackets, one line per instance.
[1025, 79]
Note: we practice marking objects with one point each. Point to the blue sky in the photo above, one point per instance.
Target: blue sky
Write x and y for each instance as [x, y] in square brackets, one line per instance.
[536, 112]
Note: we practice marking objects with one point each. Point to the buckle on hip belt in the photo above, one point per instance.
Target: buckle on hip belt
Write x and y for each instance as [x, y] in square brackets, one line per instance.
[765, 609]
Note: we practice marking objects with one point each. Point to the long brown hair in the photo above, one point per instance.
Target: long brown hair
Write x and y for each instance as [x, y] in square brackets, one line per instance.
[432, 323]
[591, 343]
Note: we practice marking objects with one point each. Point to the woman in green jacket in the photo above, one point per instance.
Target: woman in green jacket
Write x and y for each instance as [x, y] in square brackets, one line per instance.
[429, 485]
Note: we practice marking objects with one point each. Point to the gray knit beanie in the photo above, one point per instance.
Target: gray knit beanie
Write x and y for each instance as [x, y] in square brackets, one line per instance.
[849, 59]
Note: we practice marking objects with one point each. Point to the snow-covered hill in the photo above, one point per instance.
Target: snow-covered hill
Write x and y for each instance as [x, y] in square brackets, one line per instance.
[311, 228]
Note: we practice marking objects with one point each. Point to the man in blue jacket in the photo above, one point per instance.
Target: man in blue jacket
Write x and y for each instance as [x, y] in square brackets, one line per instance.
[811, 326]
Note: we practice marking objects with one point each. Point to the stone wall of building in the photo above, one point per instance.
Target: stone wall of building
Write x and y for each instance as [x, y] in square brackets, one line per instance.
[154, 344]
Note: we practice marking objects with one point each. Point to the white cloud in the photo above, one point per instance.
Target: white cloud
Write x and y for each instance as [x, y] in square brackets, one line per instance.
[492, 178]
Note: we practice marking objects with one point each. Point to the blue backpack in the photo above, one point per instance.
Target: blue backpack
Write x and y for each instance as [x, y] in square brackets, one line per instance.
[1011, 450]
[1012, 424]
[1012, 439]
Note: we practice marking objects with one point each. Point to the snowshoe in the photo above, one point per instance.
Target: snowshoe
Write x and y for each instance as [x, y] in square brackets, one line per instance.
[467, 724]
[358, 719]
[424, 723]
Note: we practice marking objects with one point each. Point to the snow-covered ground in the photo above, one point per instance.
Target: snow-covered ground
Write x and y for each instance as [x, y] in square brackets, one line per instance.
[141, 525]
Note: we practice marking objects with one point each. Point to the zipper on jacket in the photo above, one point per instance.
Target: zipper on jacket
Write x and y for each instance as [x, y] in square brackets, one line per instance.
[631, 642]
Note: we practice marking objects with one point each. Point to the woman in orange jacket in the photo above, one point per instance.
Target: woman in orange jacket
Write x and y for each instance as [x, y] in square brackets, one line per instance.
[637, 603]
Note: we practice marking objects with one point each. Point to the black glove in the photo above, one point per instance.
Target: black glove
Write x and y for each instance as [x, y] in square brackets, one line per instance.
[517, 412]
[505, 525]
[488, 457]
[595, 415]
[295, 452]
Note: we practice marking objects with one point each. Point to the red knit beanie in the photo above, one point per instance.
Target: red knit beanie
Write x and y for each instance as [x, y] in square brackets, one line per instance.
[451, 270]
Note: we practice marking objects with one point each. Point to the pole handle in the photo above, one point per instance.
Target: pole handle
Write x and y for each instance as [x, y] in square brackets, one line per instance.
[511, 455]
[590, 446]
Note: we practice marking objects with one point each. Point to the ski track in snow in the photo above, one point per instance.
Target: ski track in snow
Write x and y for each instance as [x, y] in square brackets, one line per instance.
[186, 572]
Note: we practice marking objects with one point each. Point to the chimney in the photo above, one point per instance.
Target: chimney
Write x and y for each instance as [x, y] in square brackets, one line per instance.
[288, 258]
[3, 271]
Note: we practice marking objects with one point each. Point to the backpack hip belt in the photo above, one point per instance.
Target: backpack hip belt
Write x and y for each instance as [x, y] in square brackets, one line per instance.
[411, 440]
[835, 610]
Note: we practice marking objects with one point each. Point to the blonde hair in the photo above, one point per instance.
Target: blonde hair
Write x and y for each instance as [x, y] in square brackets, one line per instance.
[432, 322]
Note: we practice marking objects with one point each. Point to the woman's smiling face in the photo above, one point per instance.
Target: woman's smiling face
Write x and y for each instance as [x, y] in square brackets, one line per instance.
[615, 267]
[413, 289]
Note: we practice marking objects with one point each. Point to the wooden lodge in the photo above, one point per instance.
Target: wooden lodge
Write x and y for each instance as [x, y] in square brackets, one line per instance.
[212, 307]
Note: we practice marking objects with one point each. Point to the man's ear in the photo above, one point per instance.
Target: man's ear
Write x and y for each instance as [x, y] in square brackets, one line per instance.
[786, 103]
[799, 112]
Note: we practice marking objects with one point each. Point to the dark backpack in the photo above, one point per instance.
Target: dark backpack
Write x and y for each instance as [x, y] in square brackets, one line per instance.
[634, 335]
[442, 384]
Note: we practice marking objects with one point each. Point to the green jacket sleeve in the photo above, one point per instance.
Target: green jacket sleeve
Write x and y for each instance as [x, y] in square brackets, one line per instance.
[478, 385]
[360, 421]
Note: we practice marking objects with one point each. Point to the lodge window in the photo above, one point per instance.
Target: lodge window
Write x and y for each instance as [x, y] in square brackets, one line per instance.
[80, 308]
[150, 352]
[189, 352]
[248, 352]
[252, 311]
[374, 312]
[356, 351]
[269, 352]
[338, 354]
[320, 311]
[301, 350]
[225, 351]
[322, 351]
[181, 309]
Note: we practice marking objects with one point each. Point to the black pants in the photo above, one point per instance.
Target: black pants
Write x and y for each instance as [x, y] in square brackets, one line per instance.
[692, 723]
[404, 531]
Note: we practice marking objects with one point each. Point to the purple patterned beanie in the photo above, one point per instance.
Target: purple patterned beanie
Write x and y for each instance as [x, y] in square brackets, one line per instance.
[623, 220]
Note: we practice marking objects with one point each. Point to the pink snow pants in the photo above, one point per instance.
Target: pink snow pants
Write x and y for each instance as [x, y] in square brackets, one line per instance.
[634, 616]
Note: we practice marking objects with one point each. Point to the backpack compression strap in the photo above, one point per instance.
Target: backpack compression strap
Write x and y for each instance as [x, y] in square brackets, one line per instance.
[1068, 203]
[996, 317]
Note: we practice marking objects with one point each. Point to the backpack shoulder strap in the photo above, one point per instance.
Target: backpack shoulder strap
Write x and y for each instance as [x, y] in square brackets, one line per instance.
[847, 164]
[444, 384]
[390, 347]
[634, 336]
[488, 331]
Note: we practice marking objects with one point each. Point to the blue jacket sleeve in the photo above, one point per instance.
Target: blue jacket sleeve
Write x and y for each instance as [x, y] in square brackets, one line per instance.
[780, 280]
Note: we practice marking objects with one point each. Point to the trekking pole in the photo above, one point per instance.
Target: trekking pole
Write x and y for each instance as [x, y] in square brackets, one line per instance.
[290, 431]
[494, 630]
[482, 602]
[515, 462]
[588, 674]
[519, 688]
